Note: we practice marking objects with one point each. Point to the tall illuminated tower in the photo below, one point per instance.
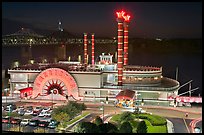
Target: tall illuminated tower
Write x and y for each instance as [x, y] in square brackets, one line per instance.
[85, 48]
[92, 48]
[126, 22]
[60, 26]
[120, 45]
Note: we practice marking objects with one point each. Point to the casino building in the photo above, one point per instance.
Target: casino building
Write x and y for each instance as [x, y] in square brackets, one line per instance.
[95, 81]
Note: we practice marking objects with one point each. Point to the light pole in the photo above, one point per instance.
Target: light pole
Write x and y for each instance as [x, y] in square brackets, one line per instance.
[6, 97]
[102, 109]
[52, 99]
[9, 116]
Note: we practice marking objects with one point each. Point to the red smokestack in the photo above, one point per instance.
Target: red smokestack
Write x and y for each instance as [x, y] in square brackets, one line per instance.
[92, 48]
[120, 49]
[85, 48]
[126, 18]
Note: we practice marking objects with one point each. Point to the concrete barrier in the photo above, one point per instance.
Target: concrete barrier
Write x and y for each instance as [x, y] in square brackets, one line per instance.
[170, 126]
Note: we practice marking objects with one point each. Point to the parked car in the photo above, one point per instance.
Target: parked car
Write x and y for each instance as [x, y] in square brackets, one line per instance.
[20, 108]
[24, 122]
[47, 114]
[29, 108]
[5, 119]
[21, 112]
[33, 122]
[38, 108]
[43, 123]
[36, 112]
[42, 114]
[197, 130]
[15, 121]
[14, 107]
[28, 112]
[53, 124]
[46, 109]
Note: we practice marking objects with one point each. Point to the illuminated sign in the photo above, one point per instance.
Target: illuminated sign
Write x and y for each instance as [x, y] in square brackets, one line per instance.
[55, 81]
[186, 99]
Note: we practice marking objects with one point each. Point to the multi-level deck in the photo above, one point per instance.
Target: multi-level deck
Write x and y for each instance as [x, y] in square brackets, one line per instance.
[96, 83]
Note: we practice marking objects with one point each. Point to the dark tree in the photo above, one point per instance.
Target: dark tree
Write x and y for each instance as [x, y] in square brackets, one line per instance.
[107, 128]
[98, 121]
[86, 127]
[126, 116]
[111, 128]
[126, 127]
[142, 127]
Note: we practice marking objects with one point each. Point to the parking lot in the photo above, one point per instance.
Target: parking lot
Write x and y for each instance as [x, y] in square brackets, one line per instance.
[42, 115]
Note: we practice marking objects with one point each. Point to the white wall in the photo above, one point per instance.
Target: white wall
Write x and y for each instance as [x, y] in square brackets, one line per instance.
[88, 80]
[19, 77]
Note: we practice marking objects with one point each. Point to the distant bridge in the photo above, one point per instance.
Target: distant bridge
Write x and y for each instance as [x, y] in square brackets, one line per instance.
[26, 37]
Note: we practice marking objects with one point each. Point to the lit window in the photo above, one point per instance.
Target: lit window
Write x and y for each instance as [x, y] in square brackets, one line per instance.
[139, 78]
[155, 78]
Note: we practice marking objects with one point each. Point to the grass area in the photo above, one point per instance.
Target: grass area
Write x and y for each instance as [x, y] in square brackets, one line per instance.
[77, 118]
[157, 129]
[65, 124]
[151, 121]
[116, 118]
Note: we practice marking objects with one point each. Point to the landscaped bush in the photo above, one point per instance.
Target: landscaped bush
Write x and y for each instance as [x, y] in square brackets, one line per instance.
[154, 123]
[142, 127]
[153, 119]
[134, 124]
[126, 116]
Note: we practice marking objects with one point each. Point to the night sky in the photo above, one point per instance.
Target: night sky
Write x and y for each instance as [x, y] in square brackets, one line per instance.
[165, 20]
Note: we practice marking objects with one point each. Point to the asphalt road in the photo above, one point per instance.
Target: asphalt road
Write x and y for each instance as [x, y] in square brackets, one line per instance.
[181, 125]
[89, 118]
[86, 119]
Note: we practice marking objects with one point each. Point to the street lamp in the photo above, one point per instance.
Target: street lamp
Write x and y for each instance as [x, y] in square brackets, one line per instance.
[103, 109]
[6, 95]
[52, 97]
[9, 114]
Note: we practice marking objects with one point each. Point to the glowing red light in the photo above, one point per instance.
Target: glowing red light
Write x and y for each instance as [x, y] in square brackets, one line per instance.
[126, 18]
[120, 14]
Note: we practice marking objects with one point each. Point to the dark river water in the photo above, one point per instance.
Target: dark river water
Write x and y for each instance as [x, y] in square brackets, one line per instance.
[189, 65]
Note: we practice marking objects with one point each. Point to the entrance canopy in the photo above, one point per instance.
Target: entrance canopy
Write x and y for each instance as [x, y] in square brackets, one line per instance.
[28, 89]
[125, 94]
